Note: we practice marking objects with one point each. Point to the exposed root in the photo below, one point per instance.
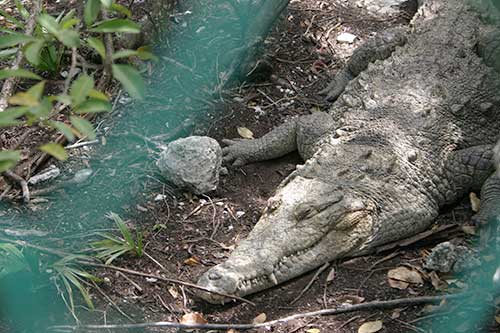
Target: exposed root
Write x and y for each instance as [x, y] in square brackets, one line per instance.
[21, 182]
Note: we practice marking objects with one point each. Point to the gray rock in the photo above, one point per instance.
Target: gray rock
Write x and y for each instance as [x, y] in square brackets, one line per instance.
[448, 257]
[50, 173]
[192, 163]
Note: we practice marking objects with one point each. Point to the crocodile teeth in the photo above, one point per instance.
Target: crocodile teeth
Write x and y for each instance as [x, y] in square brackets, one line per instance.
[273, 278]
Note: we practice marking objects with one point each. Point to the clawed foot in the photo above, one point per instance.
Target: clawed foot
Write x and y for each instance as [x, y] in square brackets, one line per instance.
[236, 152]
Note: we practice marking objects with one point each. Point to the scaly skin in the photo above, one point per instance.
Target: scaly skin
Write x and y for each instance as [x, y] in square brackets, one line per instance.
[409, 135]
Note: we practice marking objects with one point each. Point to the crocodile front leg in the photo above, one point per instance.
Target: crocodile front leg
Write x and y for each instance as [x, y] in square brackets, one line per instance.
[300, 134]
[473, 169]
[378, 48]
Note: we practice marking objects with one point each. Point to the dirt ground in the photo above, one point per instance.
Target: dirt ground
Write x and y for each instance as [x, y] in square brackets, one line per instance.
[186, 235]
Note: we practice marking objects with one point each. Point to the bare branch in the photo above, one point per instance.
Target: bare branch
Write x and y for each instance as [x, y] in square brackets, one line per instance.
[400, 302]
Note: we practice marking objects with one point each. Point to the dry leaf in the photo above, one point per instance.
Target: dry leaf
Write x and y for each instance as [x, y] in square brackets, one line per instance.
[469, 229]
[402, 277]
[497, 319]
[370, 327]
[437, 283]
[245, 133]
[173, 292]
[475, 203]
[351, 299]
[396, 314]
[313, 330]
[260, 319]
[331, 275]
[193, 261]
[193, 318]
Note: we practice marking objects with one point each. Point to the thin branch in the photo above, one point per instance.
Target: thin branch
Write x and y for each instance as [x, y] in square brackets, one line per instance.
[333, 311]
[10, 83]
[21, 182]
[318, 272]
[161, 278]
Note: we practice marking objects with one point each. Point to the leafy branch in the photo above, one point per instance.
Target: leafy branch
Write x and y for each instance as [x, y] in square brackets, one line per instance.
[54, 43]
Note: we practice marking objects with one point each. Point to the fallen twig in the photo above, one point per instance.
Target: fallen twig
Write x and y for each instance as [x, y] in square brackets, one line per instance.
[165, 279]
[333, 311]
[21, 182]
[318, 272]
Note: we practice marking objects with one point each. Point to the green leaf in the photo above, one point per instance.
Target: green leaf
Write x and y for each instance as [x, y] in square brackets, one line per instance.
[9, 116]
[83, 126]
[97, 45]
[69, 20]
[49, 23]
[117, 25]
[98, 95]
[121, 10]
[63, 128]
[131, 80]
[143, 55]
[22, 10]
[41, 111]
[7, 53]
[13, 39]
[93, 105]
[12, 260]
[56, 150]
[80, 89]
[107, 3]
[70, 38]
[32, 51]
[5, 73]
[91, 11]
[37, 90]
[24, 99]
[8, 159]
[70, 23]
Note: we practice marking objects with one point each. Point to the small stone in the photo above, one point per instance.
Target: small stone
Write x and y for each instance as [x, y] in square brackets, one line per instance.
[346, 37]
[160, 197]
[447, 257]
[50, 173]
[240, 213]
[192, 163]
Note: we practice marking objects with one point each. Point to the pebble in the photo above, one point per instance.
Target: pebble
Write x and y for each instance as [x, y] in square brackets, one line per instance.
[346, 37]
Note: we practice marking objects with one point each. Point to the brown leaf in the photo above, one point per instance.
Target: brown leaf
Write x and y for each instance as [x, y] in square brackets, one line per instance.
[261, 318]
[331, 275]
[313, 330]
[193, 318]
[193, 261]
[352, 299]
[370, 327]
[437, 283]
[173, 292]
[396, 314]
[475, 203]
[402, 277]
[245, 133]
[497, 319]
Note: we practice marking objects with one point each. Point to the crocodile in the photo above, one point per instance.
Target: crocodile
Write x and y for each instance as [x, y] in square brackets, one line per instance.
[412, 131]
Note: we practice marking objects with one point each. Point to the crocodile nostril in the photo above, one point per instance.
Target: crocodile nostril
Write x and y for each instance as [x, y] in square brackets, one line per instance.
[214, 276]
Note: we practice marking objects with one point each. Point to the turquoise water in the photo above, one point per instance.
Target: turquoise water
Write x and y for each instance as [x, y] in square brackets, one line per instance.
[199, 56]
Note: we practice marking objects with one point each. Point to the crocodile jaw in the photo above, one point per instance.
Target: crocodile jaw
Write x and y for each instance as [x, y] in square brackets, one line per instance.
[307, 223]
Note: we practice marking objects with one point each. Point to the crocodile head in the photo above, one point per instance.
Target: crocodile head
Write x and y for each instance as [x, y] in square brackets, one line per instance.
[307, 223]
